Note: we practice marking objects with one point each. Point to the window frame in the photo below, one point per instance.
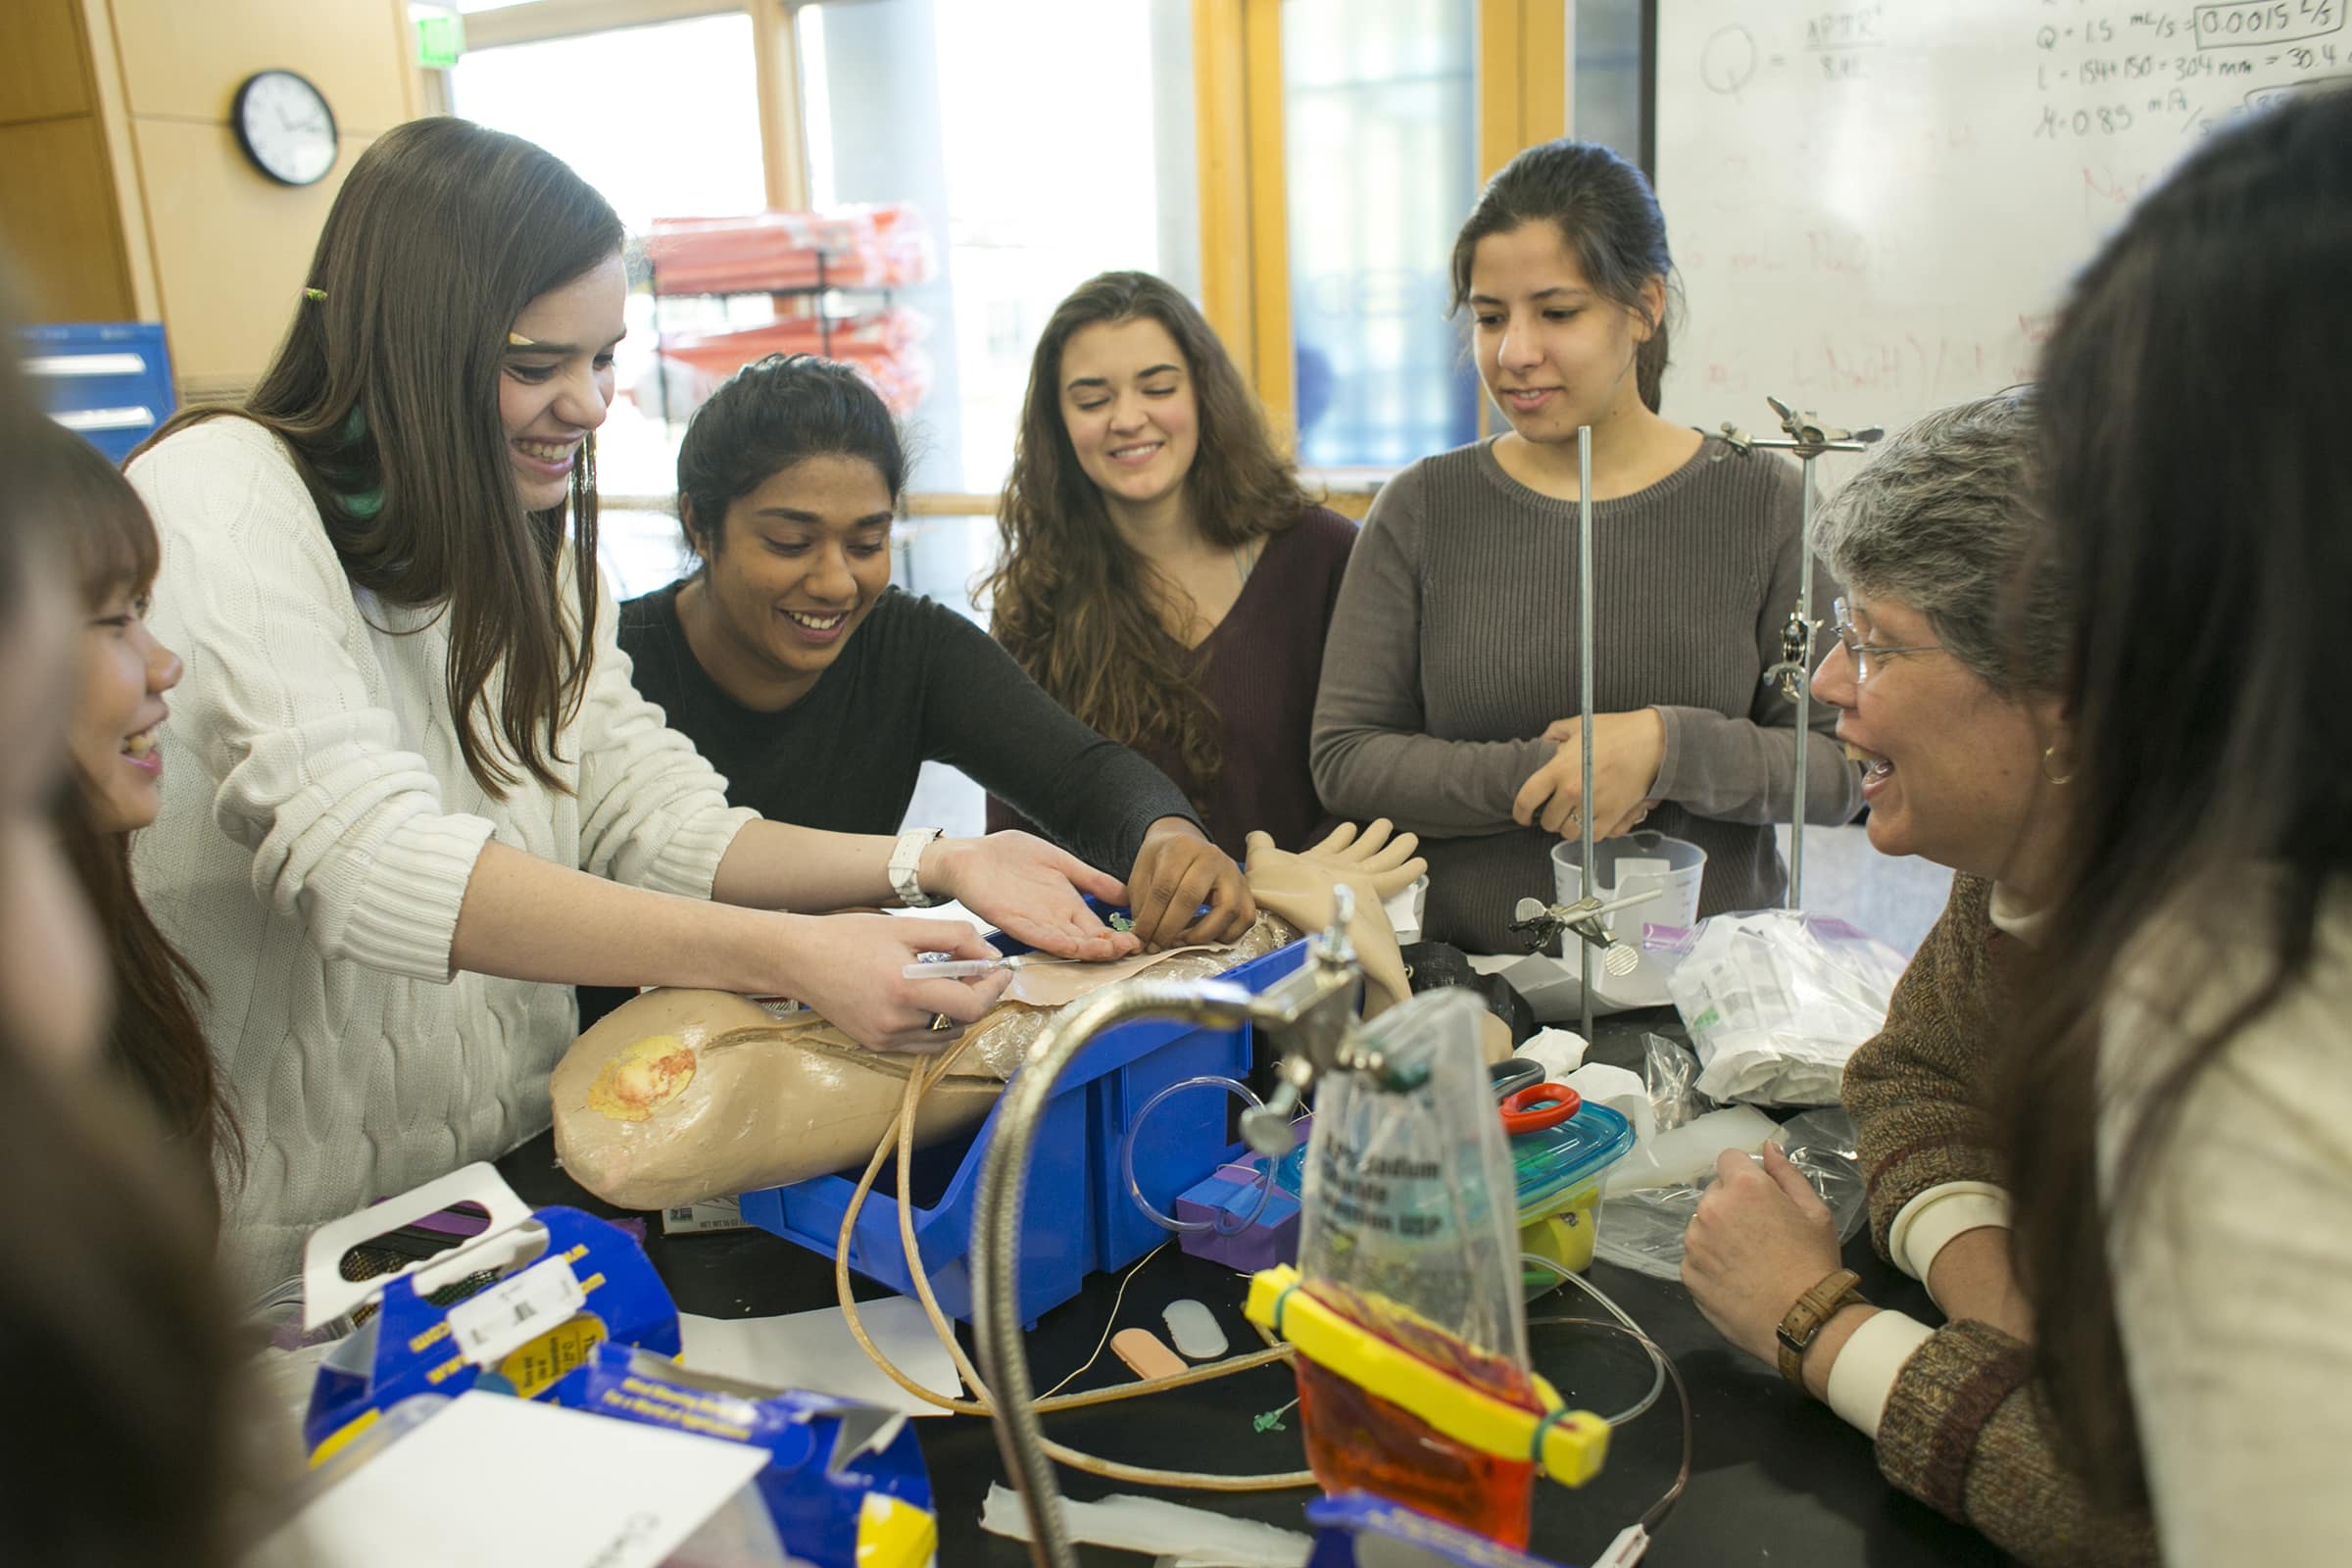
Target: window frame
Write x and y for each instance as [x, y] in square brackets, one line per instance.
[1525, 77]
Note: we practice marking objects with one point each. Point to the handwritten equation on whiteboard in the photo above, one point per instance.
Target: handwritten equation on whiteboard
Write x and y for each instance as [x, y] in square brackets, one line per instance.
[2101, 68]
[1876, 206]
[2178, 68]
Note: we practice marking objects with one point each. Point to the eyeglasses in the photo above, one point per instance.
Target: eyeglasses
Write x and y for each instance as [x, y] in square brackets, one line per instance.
[1862, 653]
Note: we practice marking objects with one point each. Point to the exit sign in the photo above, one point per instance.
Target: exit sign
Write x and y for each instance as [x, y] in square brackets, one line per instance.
[440, 38]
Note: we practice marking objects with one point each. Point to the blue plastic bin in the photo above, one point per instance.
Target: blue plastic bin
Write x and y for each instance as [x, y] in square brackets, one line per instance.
[1077, 1218]
[108, 381]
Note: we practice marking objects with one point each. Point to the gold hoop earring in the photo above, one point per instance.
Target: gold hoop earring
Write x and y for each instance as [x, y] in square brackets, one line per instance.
[2049, 755]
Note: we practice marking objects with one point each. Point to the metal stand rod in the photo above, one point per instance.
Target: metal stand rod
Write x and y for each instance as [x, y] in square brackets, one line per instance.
[1808, 439]
[997, 1226]
[1804, 697]
[1584, 674]
[1310, 1013]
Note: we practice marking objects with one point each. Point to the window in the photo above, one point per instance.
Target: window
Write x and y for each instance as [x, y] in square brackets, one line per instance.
[1070, 154]
[1380, 149]
[684, 140]
[1609, 78]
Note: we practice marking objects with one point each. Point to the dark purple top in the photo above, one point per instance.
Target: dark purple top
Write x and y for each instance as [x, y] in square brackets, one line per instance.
[1258, 672]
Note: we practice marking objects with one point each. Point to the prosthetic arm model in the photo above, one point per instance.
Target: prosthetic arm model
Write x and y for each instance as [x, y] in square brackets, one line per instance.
[679, 1095]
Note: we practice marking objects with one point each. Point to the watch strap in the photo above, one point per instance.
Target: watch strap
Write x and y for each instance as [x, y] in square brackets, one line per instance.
[1837, 1290]
[905, 866]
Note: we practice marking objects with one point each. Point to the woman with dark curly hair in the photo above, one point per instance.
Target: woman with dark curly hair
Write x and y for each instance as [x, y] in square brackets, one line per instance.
[1164, 578]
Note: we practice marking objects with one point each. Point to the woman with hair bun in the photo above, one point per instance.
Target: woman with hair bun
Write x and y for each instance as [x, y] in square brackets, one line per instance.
[1451, 696]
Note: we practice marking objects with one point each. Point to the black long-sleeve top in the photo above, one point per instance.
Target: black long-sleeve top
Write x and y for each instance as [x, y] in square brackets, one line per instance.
[915, 682]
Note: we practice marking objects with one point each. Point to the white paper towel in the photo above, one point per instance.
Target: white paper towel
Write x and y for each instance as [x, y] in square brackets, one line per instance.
[1556, 1051]
[1622, 1092]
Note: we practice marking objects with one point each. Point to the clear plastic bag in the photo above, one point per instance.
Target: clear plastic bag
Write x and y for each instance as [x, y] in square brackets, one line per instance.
[1671, 1074]
[1776, 1001]
[1411, 1198]
[1642, 1229]
[1410, 1231]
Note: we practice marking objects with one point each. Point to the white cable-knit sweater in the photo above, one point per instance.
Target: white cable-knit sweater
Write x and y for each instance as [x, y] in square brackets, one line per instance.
[319, 830]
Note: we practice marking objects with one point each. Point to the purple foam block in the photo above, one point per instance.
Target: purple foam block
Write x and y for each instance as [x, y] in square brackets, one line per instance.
[1232, 1192]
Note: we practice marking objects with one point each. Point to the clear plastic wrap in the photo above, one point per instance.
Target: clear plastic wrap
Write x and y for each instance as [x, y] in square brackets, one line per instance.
[1776, 1001]
[1641, 1228]
[1002, 1041]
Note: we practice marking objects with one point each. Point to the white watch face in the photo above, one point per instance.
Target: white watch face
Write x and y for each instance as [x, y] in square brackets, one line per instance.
[286, 127]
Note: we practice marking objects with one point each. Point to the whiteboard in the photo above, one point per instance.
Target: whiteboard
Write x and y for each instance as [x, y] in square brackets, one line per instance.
[1875, 209]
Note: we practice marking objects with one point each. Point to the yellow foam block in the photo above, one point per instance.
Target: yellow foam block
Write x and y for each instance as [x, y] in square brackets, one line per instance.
[892, 1533]
[1569, 1445]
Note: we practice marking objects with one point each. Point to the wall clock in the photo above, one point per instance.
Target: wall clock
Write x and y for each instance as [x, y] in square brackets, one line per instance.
[285, 128]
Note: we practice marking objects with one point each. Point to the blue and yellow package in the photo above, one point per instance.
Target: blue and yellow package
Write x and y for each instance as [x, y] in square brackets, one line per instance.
[565, 1282]
[845, 1482]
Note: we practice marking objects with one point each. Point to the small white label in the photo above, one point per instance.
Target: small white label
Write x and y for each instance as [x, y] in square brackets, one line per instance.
[514, 1311]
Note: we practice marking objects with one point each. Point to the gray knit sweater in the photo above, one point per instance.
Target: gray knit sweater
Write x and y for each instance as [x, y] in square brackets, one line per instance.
[1454, 645]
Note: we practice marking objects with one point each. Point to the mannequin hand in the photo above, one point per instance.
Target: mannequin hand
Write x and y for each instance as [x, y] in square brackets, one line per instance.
[1626, 751]
[1761, 1238]
[848, 967]
[1029, 890]
[1300, 889]
[1369, 855]
[1176, 871]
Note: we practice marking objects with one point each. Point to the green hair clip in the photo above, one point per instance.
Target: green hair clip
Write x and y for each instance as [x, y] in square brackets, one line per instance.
[317, 296]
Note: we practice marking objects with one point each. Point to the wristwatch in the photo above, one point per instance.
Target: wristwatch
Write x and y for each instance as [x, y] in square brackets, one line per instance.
[1816, 1307]
[906, 865]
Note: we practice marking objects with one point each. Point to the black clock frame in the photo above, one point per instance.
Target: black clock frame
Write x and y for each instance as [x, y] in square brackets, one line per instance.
[236, 120]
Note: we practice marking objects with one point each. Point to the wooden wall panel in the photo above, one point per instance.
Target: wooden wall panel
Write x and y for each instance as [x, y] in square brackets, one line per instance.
[230, 247]
[44, 73]
[57, 222]
[185, 59]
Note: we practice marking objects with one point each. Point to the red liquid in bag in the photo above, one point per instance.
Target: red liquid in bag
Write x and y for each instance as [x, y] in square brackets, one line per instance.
[1357, 1440]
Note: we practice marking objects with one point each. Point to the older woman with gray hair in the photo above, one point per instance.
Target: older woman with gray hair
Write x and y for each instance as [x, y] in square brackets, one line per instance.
[1949, 646]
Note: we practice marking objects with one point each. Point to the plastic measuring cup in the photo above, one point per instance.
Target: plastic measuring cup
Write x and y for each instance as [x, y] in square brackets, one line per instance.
[1635, 862]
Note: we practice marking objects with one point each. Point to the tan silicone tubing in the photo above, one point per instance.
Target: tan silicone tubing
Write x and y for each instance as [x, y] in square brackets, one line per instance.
[894, 1138]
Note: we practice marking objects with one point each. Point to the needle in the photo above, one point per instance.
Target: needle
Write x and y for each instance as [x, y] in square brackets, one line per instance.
[968, 968]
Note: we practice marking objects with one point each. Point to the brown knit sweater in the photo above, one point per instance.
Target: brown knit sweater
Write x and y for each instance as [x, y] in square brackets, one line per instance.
[1965, 1428]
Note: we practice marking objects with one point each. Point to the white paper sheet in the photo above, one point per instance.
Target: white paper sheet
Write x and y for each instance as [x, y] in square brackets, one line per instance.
[814, 1351]
[491, 1482]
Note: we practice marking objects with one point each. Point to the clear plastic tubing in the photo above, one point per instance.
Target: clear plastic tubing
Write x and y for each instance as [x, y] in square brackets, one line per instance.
[1265, 1186]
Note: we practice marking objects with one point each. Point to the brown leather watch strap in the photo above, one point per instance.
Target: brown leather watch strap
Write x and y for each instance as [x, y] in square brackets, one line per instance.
[1836, 1290]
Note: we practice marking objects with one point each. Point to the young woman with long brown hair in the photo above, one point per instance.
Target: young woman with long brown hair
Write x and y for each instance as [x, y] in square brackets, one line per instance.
[2179, 1110]
[1163, 575]
[124, 674]
[421, 799]
[119, 1358]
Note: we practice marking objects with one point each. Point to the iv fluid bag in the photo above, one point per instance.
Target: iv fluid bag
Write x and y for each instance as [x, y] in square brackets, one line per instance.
[1410, 1230]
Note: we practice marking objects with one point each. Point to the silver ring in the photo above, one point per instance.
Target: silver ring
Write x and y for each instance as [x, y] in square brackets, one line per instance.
[941, 1023]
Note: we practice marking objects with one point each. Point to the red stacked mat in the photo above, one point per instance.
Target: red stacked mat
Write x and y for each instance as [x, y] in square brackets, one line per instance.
[861, 247]
[853, 248]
